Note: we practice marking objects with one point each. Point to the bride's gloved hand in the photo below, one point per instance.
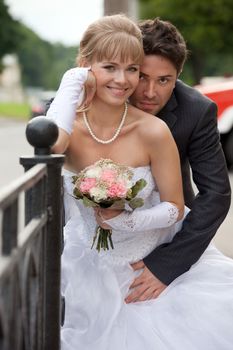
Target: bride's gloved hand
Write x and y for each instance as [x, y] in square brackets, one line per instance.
[103, 214]
[77, 88]
[162, 215]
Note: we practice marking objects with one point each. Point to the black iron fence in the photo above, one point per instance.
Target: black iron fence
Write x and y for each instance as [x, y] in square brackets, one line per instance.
[30, 247]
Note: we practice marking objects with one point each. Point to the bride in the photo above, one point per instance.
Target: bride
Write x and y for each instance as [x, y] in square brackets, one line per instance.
[196, 310]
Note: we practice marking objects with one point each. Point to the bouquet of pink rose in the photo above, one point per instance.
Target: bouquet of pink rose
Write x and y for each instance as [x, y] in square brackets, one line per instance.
[107, 184]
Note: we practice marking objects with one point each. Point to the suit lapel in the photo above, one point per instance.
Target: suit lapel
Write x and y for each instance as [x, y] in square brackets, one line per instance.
[167, 113]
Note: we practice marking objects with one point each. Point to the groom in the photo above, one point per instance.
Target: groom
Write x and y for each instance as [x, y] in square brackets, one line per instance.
[192, 119]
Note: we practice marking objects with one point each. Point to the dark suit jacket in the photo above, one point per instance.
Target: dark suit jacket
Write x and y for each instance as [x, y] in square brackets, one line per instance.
[192, 120]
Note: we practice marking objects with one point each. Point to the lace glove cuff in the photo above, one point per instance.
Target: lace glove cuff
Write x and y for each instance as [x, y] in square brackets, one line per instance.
[162, 215]
[68, 97]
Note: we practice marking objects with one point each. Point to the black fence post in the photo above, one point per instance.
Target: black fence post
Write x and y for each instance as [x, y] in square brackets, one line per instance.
[42, 133]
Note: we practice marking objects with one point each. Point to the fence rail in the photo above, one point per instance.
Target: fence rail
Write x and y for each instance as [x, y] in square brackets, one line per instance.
[30, 248]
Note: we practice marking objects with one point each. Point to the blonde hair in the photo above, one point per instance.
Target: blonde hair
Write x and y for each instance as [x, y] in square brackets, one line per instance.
[109, 37]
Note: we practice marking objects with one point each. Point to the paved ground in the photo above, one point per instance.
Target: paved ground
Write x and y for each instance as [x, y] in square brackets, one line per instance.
[13, 144]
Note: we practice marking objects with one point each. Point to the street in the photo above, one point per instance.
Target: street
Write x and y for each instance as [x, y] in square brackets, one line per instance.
[13, 144]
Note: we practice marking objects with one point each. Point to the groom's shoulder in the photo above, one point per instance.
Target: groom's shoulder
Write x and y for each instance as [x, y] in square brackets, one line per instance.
[186, 94]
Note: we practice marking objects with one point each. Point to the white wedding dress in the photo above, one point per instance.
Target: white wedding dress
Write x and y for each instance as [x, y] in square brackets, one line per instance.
[195, 312]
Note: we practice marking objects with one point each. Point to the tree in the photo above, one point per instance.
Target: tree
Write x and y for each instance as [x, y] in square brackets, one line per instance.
[8, 32]
[34, 57]
[206, 25]
[42, 63]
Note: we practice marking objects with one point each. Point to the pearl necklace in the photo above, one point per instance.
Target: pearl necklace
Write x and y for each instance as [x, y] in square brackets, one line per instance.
[118, 130]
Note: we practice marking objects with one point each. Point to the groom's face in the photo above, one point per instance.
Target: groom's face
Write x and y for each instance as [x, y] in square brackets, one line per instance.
[157, 80]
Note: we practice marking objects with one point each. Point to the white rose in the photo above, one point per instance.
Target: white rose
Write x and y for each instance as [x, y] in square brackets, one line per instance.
[129, 184]
[93, 173]
[125, 179]
[98, 193]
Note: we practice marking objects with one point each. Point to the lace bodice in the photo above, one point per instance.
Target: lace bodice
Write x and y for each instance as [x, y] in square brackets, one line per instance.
[128, 246]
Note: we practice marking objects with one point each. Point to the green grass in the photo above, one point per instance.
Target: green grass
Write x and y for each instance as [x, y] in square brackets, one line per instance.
[15, 110]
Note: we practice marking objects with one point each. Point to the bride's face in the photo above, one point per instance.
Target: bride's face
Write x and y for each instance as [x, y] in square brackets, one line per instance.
[115, 80]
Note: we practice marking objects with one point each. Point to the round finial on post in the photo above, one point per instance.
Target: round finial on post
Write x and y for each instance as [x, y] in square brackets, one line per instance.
[41, 133]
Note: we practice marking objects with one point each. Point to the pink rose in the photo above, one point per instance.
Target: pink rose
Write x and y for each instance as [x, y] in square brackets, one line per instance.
[108, 176]
[117, 190]
[87, 184]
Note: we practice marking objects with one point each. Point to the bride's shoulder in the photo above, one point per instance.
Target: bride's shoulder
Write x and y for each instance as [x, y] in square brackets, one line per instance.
[149, 126]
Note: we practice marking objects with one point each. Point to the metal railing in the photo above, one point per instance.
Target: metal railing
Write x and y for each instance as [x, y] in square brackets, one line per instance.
[30, 247]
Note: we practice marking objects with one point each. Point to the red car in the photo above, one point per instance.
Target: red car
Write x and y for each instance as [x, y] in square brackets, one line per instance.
[222, 94]
[40, 101]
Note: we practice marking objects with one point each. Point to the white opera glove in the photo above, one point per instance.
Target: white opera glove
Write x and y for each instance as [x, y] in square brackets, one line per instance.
[68, 97]
[162, 215]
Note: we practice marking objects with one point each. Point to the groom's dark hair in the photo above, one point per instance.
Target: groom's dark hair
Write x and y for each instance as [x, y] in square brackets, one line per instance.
[164, 39]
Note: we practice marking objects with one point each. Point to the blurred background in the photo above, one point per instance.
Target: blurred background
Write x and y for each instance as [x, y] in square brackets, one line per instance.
[39, 41]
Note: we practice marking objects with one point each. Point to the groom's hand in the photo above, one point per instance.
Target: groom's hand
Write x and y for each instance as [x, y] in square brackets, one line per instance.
[146, 286]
